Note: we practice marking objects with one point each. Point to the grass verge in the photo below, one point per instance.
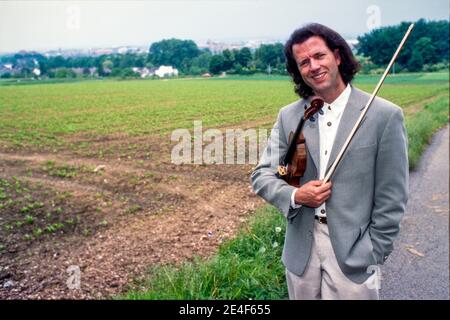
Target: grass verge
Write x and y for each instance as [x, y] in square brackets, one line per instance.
[246, 267]
[422, 125]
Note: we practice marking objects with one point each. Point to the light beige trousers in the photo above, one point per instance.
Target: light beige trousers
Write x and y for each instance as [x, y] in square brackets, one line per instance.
[323, 278]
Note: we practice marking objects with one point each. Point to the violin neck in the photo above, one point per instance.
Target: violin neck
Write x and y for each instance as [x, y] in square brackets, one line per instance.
[293, 142]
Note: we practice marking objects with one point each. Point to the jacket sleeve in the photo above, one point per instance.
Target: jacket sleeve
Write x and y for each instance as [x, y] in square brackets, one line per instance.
[264, 180]
[391, 186]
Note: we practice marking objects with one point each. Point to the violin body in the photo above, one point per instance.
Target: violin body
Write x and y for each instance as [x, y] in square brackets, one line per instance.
[296, 168]
[293, 165]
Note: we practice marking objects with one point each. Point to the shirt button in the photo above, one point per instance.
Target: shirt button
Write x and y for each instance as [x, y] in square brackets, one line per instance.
[329, 107]
[329, 124]
[322, 211]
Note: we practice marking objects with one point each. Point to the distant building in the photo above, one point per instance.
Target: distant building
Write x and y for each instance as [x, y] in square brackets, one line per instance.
[4, 70]
[162, 71]
[145, 72]
[122, 50]
[166, 71]
[8, 68]
[78, 71]
[106, 70]
[99, 52]
[352, 44]
[218, 47]
[93, 71]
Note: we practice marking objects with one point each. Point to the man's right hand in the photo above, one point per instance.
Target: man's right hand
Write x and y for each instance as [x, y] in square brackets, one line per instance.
[313, 194]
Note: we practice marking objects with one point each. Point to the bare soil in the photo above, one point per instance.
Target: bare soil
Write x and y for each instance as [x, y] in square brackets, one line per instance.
[112, 206]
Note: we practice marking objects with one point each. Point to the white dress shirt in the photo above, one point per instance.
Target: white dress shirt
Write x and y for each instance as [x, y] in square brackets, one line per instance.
[328, 125]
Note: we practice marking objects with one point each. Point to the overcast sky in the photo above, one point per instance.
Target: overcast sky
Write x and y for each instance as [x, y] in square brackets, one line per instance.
[39, 25]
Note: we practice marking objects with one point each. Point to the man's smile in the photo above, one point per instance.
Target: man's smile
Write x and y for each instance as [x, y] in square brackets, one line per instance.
[319, 76]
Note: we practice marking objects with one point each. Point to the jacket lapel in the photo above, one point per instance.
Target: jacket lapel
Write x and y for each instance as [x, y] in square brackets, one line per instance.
[352, 111]
[311, 133]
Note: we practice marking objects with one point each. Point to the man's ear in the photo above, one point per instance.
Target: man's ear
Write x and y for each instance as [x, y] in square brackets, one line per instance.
[337, 56]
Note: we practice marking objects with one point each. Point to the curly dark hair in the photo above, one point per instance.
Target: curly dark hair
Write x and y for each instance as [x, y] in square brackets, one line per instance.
[348, 67]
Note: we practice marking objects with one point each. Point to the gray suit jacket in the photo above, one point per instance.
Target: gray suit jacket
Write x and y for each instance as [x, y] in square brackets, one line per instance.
[370, 185]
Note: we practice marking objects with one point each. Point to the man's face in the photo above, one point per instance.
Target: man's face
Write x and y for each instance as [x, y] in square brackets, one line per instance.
[318, 66]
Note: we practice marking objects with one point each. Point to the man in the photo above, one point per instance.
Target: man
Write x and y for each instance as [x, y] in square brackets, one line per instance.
[338, 232]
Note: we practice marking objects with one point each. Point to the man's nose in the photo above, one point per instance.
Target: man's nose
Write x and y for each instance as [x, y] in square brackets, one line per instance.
[314, 65]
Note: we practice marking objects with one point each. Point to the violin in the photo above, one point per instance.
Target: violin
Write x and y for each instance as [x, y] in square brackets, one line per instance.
[293, 165]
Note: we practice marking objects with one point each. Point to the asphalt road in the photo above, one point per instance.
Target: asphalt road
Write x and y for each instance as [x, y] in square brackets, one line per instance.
[418, 268]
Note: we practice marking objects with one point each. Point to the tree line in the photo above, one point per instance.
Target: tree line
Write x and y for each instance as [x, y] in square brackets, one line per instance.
[181, 54]
[427, 49]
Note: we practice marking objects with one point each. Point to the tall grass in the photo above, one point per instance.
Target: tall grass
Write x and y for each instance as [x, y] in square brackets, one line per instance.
[247, 267]
[422, 125]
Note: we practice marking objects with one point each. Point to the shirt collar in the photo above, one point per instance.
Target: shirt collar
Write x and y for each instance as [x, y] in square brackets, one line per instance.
[338, 105]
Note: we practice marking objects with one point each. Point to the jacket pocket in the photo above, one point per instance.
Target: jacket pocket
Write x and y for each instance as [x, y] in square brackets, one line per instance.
[362, 149]
[364, 235]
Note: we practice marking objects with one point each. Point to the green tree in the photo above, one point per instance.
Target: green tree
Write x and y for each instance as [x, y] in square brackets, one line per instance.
[216, 65]
[127, 60]
[201, 63]
[228, 59]
[64, 73]
[425, 47]
[80, 62]
[175, 52]
[56, 62]
[107, 66]
[270, 56]
[128, 73]
[244, 56]
[416, 62]
[429, 37]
